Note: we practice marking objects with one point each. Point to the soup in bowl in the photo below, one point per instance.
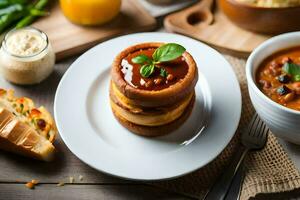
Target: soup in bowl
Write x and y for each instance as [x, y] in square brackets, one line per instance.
[273, 76]
[278, 77]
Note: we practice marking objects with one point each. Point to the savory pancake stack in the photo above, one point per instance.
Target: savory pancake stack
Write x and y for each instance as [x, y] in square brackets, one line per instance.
[152, 87]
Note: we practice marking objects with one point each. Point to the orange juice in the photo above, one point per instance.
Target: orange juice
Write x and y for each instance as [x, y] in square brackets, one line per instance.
[90, 12]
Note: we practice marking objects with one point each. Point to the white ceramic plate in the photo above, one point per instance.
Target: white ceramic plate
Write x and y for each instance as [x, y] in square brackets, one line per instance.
[89, 129]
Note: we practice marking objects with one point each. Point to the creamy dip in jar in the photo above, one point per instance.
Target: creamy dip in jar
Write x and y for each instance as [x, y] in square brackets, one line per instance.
[26, 56]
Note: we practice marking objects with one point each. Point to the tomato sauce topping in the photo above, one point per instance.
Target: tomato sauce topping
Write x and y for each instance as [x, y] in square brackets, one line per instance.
[175, 70]
[277, 77]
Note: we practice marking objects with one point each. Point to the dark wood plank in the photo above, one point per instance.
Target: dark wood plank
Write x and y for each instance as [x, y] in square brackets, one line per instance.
[16, 168]
[85, 192]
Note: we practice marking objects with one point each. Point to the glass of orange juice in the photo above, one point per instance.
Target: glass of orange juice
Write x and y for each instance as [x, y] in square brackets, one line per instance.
[90, 12]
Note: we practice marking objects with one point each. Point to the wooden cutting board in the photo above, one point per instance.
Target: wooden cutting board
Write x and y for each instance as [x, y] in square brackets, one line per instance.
[204, 21]
[69, 39]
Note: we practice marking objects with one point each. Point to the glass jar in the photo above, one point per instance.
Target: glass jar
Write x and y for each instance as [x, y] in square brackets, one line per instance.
[26, 56]
[90, 12]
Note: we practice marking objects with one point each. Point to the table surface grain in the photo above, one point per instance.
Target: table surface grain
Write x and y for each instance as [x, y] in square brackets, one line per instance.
[17, 170]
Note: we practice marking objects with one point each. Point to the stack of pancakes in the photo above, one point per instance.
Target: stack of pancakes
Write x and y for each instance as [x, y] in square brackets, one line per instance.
[152, 112]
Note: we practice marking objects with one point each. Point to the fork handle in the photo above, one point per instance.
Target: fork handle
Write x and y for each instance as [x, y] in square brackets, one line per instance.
[222, 184]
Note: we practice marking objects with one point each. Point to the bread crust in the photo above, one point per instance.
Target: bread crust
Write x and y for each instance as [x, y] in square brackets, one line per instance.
[32, 113]
[159, 98]
[18, 137]
[150, 131]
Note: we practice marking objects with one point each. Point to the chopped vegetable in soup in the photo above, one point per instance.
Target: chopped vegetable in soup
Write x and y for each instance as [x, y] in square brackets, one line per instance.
[278, 77]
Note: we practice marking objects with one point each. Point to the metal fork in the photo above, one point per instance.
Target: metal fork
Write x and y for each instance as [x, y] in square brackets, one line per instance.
[253, 138]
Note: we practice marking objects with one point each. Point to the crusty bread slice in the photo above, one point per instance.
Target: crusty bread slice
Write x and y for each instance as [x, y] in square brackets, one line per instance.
[24, 109]
[18, 137]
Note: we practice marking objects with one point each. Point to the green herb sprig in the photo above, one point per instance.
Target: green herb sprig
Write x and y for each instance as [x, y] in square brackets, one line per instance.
[20, 13]
[165, 53]
[292, 69]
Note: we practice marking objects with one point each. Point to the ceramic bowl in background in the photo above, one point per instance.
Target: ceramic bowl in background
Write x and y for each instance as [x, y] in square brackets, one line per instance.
[283, 122]
[262, 19]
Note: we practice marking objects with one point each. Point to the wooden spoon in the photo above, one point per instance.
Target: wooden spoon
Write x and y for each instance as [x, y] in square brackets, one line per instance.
[199, 15]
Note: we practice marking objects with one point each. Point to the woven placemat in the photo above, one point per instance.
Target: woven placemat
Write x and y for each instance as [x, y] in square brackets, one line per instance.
[269, 173]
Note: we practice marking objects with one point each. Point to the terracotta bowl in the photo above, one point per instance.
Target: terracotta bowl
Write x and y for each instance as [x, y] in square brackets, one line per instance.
[261, 19]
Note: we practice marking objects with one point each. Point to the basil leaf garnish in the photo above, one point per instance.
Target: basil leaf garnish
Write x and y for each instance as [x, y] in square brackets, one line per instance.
[163, 72]
[147, 70]
[292, 69]
[141, 59]
[168, 52]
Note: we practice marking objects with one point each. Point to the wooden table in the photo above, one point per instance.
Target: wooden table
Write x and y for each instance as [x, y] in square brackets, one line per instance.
[16, 170]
